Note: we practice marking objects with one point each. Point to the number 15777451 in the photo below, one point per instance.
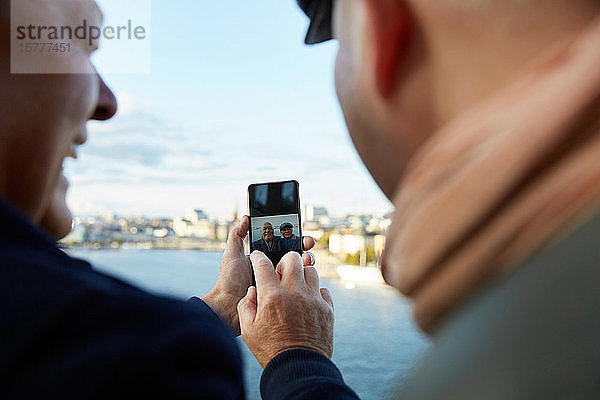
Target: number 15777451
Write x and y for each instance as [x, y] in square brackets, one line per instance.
[35, 47]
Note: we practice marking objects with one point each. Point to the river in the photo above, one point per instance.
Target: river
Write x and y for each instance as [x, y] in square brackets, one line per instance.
[376, 343]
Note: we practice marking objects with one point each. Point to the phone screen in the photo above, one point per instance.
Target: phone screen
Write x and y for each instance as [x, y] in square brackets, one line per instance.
[275, 227]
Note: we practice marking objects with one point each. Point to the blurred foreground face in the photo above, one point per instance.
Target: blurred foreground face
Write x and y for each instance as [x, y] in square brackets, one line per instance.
[386, 125]
[268, 232]
[44, 117]
[405, 68]
[475, 74]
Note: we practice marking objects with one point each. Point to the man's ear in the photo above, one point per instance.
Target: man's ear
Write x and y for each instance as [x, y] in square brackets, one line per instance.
[389, 21]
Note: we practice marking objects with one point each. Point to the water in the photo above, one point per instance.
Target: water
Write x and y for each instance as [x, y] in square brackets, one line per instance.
[376, 344]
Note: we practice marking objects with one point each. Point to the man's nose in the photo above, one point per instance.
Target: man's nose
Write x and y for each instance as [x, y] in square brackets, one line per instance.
[107, 102]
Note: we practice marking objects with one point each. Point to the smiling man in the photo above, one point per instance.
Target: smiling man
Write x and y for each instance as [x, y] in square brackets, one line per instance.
[287, 230]
[291, 241]
[272, 245]
[71, 332]
[268, 233]
[268, 241]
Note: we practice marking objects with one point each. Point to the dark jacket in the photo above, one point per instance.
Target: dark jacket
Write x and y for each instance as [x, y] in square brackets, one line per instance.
[68, 331]
[292, 244]
[277, 244]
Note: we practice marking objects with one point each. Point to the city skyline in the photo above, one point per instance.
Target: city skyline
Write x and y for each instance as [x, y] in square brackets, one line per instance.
[356, 240]
[232, 214]
[233, 98]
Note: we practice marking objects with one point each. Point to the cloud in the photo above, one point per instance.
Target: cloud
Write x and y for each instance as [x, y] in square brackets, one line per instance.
[142, 161]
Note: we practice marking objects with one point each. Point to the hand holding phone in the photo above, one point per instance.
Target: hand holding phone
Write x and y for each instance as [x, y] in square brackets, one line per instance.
[278, 204]
[279, 325]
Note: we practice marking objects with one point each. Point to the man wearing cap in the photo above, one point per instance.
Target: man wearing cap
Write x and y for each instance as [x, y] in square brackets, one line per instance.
[479, 120]
[291, 242]
[287, 230]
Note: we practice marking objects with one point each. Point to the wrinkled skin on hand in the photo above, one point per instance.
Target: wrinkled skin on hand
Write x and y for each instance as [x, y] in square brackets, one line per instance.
[287, 313]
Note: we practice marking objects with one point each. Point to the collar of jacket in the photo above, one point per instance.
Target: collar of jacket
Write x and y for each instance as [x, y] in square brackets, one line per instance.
[18, 230]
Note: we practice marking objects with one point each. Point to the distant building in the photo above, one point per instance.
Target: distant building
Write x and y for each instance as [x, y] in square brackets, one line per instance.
[378, 245]
[222, 228]
[180, 226]
[160, 233]
[315, 234]
[201, 229]
[342, 244]
[108, 217]
[195, 215]
[312, 213]
[346, 244]
[314, 229]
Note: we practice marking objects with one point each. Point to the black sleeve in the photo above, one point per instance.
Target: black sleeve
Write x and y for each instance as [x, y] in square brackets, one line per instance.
[302, 374]
[127, 347]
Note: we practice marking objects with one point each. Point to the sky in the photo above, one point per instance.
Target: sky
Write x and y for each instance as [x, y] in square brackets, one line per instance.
[227, 95]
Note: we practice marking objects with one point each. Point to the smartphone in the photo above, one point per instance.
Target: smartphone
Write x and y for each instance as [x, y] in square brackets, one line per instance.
[275, 225]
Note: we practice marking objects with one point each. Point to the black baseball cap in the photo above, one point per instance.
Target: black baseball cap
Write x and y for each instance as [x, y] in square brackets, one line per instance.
[286, 225]
[320, 14]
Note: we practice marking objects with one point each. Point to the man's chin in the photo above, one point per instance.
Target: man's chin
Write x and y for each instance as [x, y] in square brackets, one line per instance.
[58, 218]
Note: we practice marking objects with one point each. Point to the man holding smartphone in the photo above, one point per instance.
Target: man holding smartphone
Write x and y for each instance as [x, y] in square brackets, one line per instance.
[69, 331]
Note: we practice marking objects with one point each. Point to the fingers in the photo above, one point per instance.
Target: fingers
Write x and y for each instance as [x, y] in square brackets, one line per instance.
[311, 277]
[247, 307]
[308, 242]
[264, 272]
[326, 294]
[308, 259]
[235, 240]
[291, 269]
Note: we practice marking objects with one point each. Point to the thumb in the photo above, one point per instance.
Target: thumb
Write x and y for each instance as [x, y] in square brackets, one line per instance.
[235, 240]
[247, 308]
